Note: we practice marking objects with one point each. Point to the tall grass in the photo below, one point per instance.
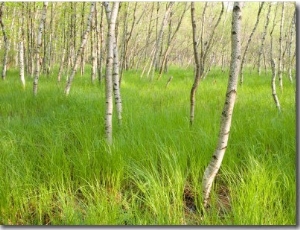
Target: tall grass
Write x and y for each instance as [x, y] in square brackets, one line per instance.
[57, 169]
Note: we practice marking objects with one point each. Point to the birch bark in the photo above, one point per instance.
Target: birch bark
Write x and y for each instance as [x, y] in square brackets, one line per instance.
[21, 63]
[111, 15]
[83, 43]
[216, 161]
[37, 49]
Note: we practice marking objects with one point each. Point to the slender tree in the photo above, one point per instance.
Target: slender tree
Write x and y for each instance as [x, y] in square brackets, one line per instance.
[280, 48]
[249, 40]
[216, 161]
[6, 42]
[37, 49]
[159, 39]
[204, 50]
[111, 15]
[261, 50]
[83, 43]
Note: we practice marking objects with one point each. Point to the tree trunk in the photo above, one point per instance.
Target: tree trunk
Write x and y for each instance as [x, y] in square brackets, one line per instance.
[280, 49]
[6, 43]
[82, 63]
[263, 39]
[37, 50]
[111, 15]
[248, 42]
[216, 161]
[83, 43]
[159, 38]
[204, 50]
[273, 85]
[292, 31]
[199, 68]
[170, 40]
[93, 52]
[21, 63]
[273, 66]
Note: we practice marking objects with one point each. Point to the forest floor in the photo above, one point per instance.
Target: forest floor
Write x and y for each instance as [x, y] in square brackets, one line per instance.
[56, 168]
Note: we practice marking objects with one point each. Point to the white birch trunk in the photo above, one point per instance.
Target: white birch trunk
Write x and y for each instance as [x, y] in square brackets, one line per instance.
[37, 50]
[116, 81]
[111, 15]
[21, 63]
[83, 43]
[273, 85]
[213, 167]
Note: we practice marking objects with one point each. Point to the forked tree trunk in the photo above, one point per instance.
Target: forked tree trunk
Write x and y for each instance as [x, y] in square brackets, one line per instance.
[111, 15]
[248, 42]
[216, 161]
[83, 43]
[37, 50]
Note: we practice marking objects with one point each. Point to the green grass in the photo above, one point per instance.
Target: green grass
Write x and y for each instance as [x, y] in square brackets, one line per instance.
[57, 169]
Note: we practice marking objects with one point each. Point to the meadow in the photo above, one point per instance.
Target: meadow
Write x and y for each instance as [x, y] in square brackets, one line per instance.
[56, 168]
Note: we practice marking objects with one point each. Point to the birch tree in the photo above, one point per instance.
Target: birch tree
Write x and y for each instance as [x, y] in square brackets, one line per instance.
[171, 39]
[6, 42]
[37, 49]
[111, 15]
[273, 66]
[159, 39]
[261, 50]
[204, 50]
[249, 40]
[21, 47]
[83, 43]
[280, 49]
[216, 161]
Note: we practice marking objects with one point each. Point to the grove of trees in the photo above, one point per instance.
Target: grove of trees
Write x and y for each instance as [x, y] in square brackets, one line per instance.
[68, 38]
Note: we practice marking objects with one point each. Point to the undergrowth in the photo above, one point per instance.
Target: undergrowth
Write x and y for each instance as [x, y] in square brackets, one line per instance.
[57, 169]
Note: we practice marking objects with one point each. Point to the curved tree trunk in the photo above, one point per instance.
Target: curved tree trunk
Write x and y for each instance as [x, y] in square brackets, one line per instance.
[248, 42]
[216, 161]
